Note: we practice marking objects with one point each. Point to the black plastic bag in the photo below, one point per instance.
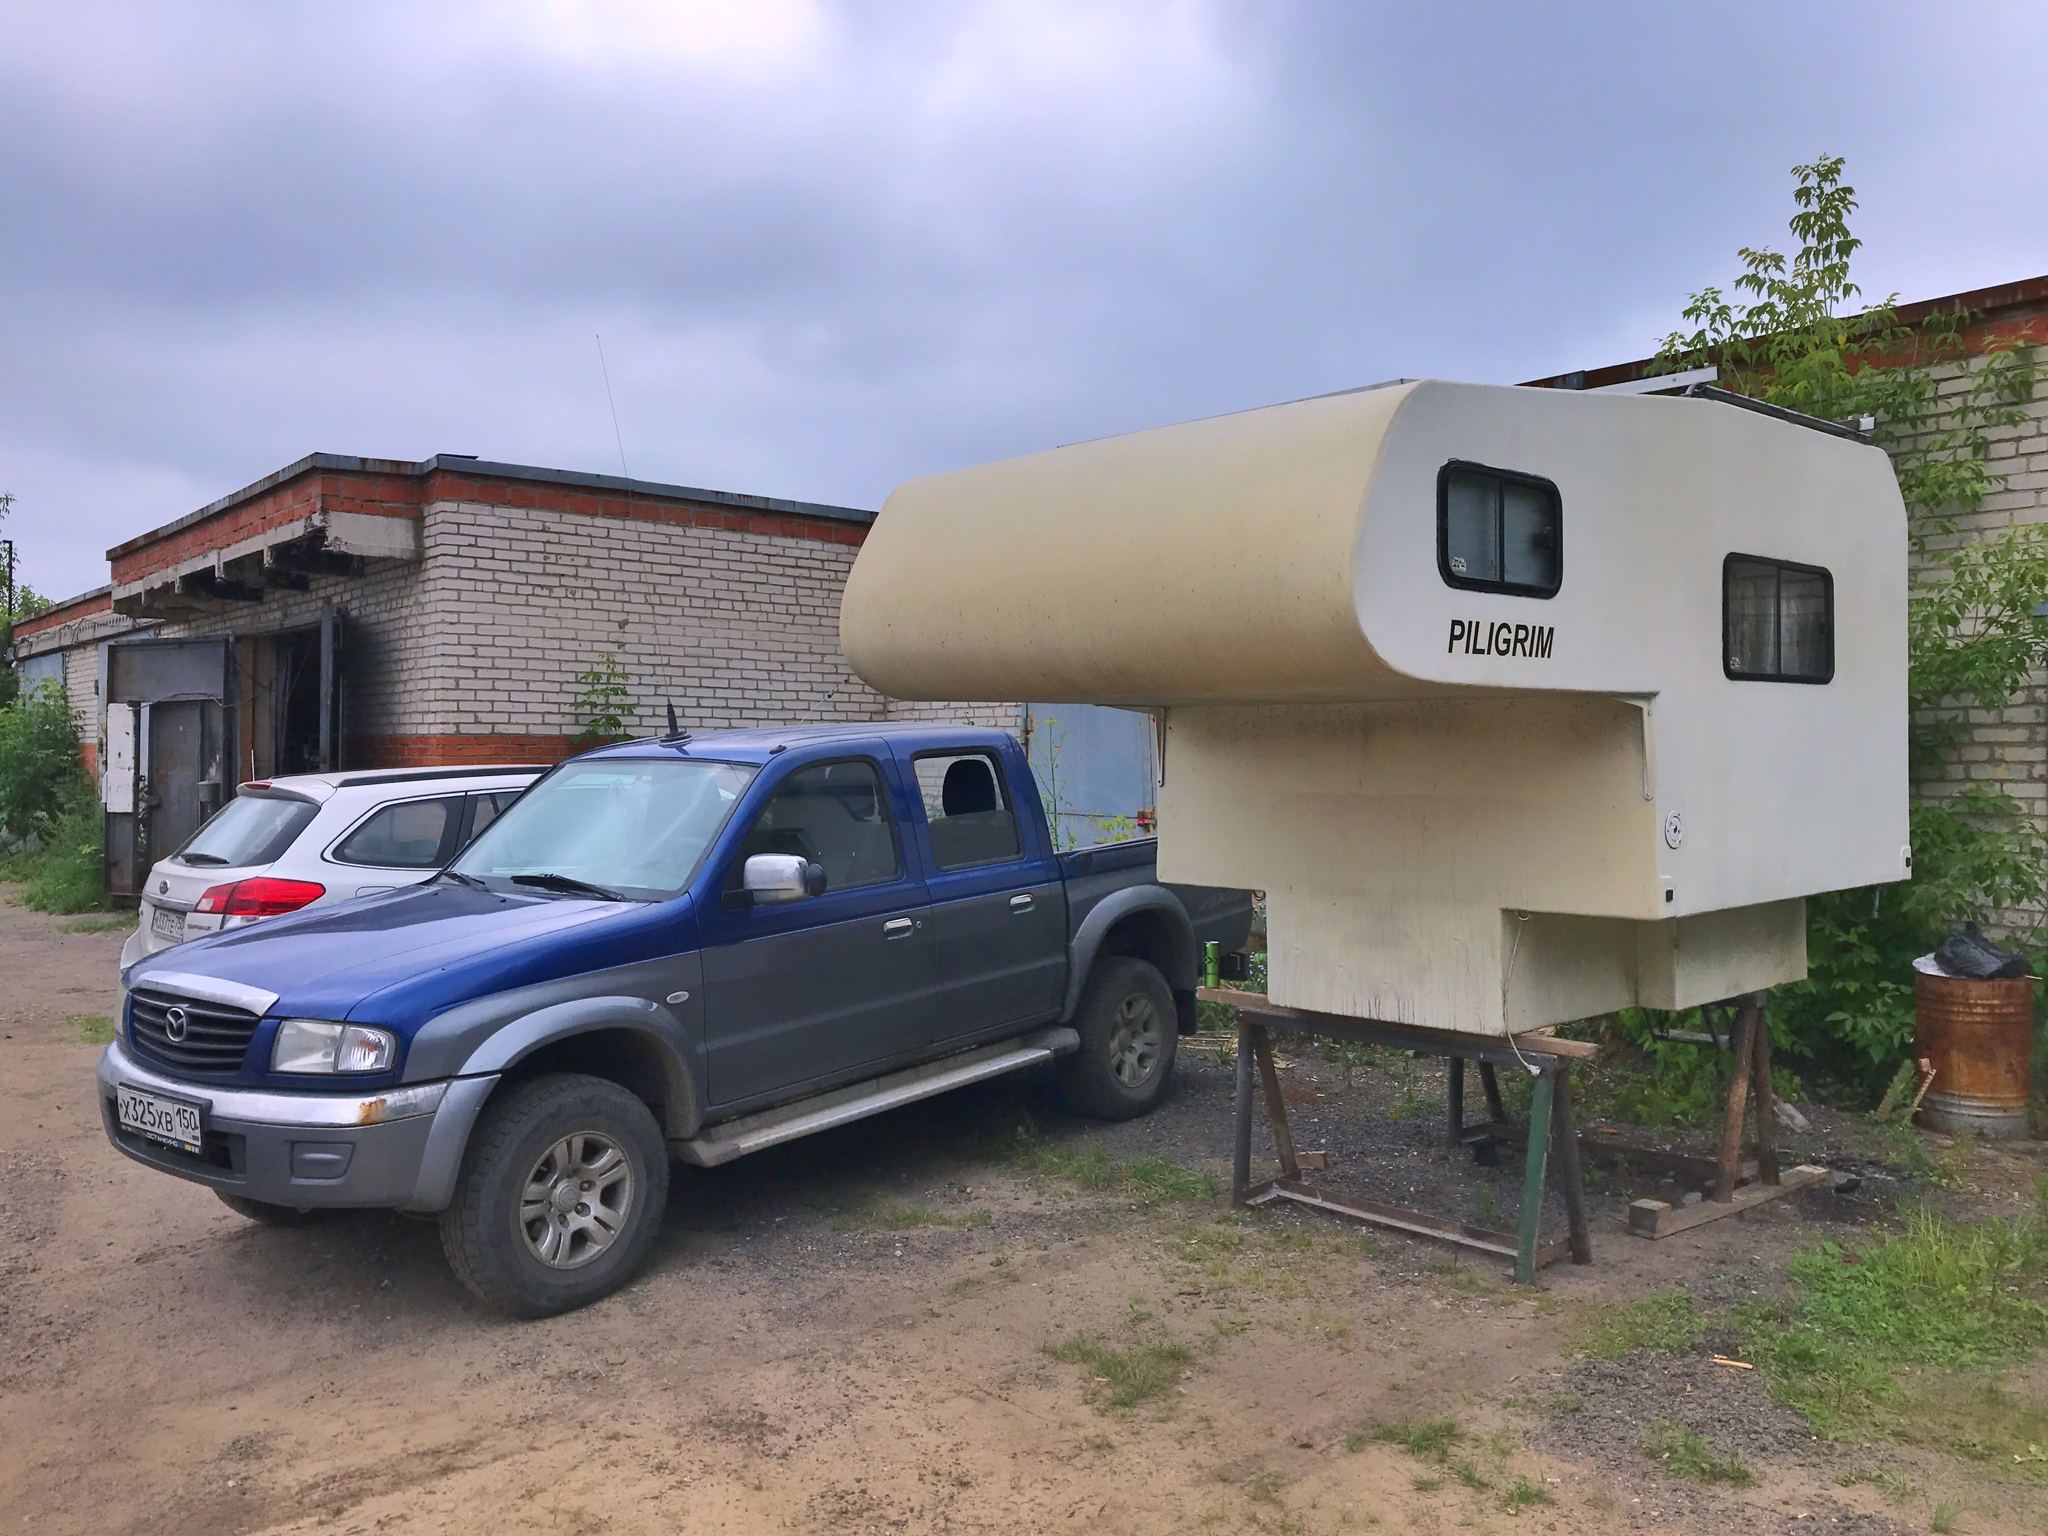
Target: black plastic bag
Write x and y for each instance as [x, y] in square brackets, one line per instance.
[1969, 953]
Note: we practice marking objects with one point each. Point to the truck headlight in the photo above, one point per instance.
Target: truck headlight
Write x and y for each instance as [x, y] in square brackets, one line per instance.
[314, 1045]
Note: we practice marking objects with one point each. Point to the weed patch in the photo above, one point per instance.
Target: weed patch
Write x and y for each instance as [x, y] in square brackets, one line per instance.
[90, 1028]
[113, 922]
[1663, 1322]
[1129, 1376]
[1690, 1455]
[1522, 1493]
[1940, 1295]
[1153, 1180]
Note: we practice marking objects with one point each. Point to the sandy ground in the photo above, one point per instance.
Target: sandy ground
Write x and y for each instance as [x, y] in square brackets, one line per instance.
[787, 1364]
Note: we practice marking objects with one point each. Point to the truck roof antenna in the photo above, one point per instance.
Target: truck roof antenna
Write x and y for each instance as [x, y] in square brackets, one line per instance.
[675, 734]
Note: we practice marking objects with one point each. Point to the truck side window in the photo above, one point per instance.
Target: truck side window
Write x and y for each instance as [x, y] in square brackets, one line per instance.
[964, 804]
[1777, 621]
[834, 814]
[1498, 531]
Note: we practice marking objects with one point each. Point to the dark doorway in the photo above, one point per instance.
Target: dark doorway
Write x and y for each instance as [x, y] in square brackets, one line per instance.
[298, 745]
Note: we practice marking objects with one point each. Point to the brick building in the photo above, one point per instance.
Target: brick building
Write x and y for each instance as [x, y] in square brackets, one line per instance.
[348, 612]
[2006, 747]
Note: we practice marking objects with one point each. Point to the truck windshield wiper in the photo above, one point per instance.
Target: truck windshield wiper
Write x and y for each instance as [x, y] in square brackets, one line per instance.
[469, 880]
[548, 880]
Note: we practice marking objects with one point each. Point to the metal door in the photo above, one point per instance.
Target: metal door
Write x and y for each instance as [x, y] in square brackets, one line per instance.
[818, 987]
[179, 689]
[1096, 771]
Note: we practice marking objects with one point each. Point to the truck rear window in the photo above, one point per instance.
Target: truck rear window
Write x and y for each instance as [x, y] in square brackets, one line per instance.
[249, 830]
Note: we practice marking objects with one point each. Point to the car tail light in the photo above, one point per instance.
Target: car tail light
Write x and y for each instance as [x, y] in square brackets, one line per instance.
[261, 896]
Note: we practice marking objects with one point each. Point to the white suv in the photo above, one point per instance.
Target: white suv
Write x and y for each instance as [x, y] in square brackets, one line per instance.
[286, 843]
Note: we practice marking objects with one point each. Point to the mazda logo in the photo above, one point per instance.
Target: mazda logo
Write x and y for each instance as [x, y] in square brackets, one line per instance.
[175, 1020]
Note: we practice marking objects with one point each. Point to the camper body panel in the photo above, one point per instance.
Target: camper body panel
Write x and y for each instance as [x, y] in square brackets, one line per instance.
[1479, 796]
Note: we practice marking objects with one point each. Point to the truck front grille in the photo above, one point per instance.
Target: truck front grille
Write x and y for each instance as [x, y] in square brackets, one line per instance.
[214, 1037]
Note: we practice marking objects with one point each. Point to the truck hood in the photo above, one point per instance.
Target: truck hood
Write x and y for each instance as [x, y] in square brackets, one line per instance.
[327, 961]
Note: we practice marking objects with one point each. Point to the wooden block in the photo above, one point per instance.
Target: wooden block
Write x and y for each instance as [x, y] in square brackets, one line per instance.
[1658, 1218]
[1313, 1160]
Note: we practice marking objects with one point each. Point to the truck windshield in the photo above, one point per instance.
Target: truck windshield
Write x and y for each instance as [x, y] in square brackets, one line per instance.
[629, 827]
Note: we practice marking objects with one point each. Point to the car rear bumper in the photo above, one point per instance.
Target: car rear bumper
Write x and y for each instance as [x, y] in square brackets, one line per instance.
[399, 1149]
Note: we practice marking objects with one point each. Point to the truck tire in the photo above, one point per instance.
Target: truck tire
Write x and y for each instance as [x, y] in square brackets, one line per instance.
[266, 1213]
[1128, 1034]
[560, 1196]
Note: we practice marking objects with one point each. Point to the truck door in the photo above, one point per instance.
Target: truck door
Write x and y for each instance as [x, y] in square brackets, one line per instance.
[825, 984]
[998, 915]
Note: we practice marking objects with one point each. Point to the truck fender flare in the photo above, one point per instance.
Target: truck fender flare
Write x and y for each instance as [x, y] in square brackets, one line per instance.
[506, 1047]
[1183, 964]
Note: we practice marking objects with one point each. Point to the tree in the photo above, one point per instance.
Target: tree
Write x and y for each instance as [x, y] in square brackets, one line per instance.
[1792, 334]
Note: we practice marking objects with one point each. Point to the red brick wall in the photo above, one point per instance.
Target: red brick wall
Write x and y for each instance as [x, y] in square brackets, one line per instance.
[64, 613]
[457, 751]
[379, 495]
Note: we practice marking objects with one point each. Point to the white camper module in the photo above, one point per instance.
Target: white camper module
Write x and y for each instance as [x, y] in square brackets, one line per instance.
[1520, 705]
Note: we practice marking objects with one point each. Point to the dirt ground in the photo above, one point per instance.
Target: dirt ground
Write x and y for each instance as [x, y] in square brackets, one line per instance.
[857, 1334]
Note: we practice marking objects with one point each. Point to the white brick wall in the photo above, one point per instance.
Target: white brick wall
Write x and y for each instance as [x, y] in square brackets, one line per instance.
[2005, 747]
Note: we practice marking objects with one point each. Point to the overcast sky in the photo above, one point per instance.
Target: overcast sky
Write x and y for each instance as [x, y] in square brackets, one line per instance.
[829, 247]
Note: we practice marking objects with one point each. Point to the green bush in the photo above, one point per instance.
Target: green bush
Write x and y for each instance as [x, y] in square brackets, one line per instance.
[38, 764]
[65, 874]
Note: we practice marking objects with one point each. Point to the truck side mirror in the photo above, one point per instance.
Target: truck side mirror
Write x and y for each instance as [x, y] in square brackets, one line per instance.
[770, 878]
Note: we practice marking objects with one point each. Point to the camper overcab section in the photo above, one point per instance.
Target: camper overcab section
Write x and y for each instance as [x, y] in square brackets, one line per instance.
[1520, 705]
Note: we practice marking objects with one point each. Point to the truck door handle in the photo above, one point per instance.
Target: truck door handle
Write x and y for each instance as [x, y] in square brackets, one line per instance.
[898, 928]
[1021, 903]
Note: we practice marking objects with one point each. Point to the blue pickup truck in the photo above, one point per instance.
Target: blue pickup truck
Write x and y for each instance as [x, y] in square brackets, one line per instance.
[688, 948]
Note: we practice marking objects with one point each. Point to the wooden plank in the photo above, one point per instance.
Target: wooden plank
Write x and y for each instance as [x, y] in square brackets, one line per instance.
[1738, 1099]
[1436, 1042]
[1763, 1094]
[1565, 1148]
[1655, 1218]
[1276, 1105]
[1697, 1166]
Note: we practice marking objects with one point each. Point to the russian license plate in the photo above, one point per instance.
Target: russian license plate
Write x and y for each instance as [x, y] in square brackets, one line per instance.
[166, 924]
[174, 1122]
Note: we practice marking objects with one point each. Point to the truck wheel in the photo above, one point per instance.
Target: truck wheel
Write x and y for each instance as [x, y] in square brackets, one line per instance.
[270, 1215]
[561, 1194]
[1128, 1035]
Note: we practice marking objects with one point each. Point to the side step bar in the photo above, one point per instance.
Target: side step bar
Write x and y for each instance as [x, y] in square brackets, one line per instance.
[843, 1106]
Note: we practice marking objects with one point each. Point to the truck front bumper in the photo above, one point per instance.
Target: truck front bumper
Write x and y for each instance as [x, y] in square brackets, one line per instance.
[398, 1149]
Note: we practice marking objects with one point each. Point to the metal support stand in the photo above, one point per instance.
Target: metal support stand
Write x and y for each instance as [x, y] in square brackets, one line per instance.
[1552, 1134]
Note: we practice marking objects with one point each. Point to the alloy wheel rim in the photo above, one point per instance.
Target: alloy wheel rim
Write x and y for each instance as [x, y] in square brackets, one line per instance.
[1135, 1041]
[576, 1200]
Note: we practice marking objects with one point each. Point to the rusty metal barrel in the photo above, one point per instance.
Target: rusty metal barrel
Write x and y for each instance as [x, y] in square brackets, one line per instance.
[1978, 1036]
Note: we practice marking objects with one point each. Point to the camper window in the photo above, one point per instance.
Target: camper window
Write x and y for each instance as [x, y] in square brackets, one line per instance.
[1777, 621]
[1498, 531]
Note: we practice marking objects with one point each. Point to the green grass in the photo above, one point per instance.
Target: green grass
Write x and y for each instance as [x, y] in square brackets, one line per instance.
[1889, 1481]
[90, 1028]
[909, 1218]
[113, 922]
[1153, 1180]
[1945, 1517]
[1129, 1376]
[1426, 1439]
[1690, 1455]
[1938, 1296]
[1663, 1322]
[1522, 1493]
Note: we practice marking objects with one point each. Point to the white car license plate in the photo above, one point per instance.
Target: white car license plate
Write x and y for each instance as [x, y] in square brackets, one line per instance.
[166, 924]
[170, 1121]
